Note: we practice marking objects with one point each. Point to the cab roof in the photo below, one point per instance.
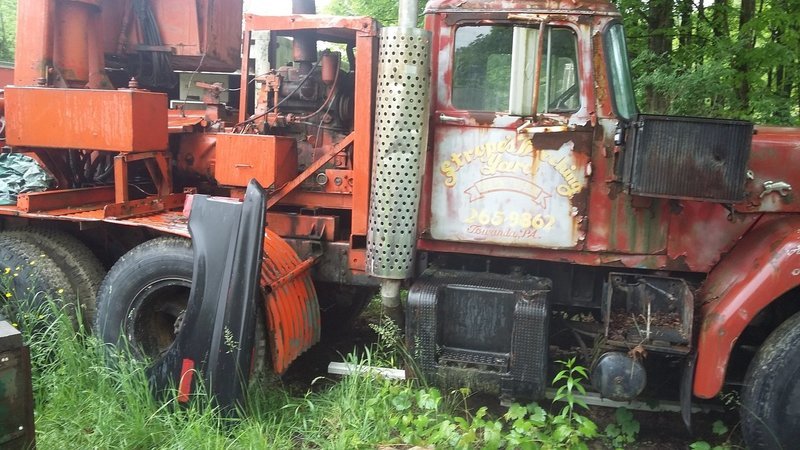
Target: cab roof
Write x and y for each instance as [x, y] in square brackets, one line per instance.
[603, 7]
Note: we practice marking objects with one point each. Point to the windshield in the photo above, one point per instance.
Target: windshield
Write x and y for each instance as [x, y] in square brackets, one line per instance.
[619, 73]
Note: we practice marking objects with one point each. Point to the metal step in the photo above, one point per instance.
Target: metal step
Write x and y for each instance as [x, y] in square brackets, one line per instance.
[496, 362]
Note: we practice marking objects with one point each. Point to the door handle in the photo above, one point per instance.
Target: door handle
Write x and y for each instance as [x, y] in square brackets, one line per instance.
[444, 118]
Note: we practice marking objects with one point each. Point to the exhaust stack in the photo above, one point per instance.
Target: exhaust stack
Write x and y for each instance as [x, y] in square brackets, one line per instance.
[401, 138]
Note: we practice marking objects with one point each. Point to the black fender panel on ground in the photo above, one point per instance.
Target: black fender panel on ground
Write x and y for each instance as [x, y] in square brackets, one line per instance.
[216, 339]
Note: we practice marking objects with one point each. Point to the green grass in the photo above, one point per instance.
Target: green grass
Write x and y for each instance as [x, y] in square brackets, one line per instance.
[81, 403]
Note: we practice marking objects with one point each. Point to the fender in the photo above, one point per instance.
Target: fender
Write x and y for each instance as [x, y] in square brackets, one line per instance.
[764, 265]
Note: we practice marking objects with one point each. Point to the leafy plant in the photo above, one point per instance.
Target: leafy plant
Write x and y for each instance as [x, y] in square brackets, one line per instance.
[572, 376]
[719, 429]
[623, 432]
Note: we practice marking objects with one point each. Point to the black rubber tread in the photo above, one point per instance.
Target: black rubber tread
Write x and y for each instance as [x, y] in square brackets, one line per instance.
[80, 265]
[771, 388]
[147, 261]
[28, 273]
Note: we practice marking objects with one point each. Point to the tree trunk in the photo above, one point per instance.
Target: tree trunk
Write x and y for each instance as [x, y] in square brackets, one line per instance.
[747, 41]
[719, 19]
[685, 9]
[659, 26]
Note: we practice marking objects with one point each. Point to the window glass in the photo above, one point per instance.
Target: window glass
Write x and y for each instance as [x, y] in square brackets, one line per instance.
[559, 88]
[619, 73]
[482, 70]
[495, 66]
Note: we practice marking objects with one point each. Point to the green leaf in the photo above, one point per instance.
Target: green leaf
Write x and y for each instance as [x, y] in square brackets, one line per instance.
[623, 415]
[516, 411]
[401, 402]
[631, 427]
[586, 427]
[719, 428]
[561, 433]
[537, 414]
[700, 445]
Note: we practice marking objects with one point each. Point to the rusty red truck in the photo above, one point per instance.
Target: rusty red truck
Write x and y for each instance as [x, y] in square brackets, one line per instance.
[494, 163]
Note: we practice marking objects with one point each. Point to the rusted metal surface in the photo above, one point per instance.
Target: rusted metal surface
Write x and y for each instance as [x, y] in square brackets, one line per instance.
[197, 156]
[497, 187]
[302, 226]
[761, 267]
[143, 206]
[328, 26]
[366, 74]
[687, 158]
[158, 166]
[122, 120]
[272, 160]
[494, 179]
[64, 198]
[194, 31]
[178, 123]
[6, 75]
[522, 6]
[772, 144]
[71, 52]
[34, 41]
[326, 156]
[702, 233]
[292, 310]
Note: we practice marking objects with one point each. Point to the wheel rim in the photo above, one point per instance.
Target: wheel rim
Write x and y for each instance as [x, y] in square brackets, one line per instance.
[156, 315]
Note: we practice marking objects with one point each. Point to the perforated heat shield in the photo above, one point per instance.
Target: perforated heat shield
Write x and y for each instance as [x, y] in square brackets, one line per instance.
[401, 136]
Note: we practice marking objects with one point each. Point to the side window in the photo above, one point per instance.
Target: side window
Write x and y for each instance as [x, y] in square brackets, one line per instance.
[495, 66]
[482, 69]
[559, 87]
[619, 73]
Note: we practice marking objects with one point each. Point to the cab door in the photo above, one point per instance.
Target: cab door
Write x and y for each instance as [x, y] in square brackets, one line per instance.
[508, 167]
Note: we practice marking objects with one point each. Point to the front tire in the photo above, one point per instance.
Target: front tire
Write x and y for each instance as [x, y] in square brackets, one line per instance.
[771, 396]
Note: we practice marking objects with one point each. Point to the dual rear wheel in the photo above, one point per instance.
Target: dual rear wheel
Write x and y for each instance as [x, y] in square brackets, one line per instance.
[40, 263]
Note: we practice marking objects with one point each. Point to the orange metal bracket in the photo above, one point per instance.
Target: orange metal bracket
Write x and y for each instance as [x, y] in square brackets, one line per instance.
[157, 164]
[332, 151]
[64, 198]
[143, 206]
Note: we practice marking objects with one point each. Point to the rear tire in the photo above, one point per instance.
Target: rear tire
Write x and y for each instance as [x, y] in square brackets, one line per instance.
[29, 278]
[141, 302]
[79, 264]
[771, 395]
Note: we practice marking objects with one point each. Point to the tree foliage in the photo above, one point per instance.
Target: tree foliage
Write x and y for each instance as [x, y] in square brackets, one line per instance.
[722, 58]
[8, 31]
[729, 58]
[383, 10]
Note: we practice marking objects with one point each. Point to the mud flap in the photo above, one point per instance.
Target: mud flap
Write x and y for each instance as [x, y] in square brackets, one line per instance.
[216, 338]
